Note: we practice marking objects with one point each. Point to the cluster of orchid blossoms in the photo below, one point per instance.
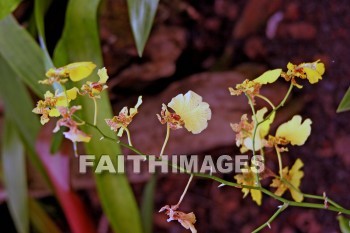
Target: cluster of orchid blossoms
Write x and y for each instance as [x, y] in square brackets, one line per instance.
[255, 135]
[188, 111]
[58, 104]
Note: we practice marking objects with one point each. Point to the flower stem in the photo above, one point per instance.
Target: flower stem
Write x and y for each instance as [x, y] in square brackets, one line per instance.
[334, 207]
[165, 140]
[279, 161]
[266, 100]
[257, 181]
[267, 223]
[128, 134]
[96, 110]
[185, 191]
[281, 104]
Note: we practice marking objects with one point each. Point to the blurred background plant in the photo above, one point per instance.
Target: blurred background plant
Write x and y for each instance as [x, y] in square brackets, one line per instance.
[224, 41]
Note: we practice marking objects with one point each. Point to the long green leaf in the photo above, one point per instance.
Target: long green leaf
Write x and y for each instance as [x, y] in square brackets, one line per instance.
[141, 14]
[22, 54]
[344, 224]
[37, 215]
[148, 204]
[80, 42]
[7, 6]
[345, 103]
[18, 107]
[40, 220]
[40, 7]
[15, 177]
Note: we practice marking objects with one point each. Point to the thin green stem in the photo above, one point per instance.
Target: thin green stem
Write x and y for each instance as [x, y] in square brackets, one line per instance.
[165, 140]
[337, 209]
[128, 134]
[330, 201]
[96, 110]
[251, 104]
[279, 161]
[281, 104]
[324, 198]
[267, 223]
[266, 100]
[104, 136]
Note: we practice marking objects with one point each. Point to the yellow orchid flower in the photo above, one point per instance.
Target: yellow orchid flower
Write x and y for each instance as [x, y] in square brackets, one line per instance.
[65, 97]
[93, 89]
[102, 73]
[291, 180]
[245, 130]
[121, 122]
[311, 71]
[261, 131]
[74, 134]
[294, 131]
[48, 107]
[248, 178]
[250, 88]
[192, 111]
[75, 71]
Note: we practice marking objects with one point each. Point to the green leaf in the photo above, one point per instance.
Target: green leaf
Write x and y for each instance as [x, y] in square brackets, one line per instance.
[7, 6]
[40, 220]
[22, 54]
[344, 224]
[15, 177]
[80, 42]
[18, 106]
[345, 102]
[40, 7]
[141, 15]
[148, 205]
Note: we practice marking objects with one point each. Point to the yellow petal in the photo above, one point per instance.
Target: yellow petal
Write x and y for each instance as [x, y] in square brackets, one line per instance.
[281, 188]
[72, 93]
[312, 75]
[133, 111]
[264, 127]
[51, 72]
[296, 175]
[62, 101]
[297, 196]
[44, 119]
[48, 94]
[290, 66]
[314, 71]
[192, 111]
[54, 113]
[320, 68]
[295, 131]
[65, 97]
[102, 73]
[269, 76]
[261, 132]
[79, 70]
[256, 196]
